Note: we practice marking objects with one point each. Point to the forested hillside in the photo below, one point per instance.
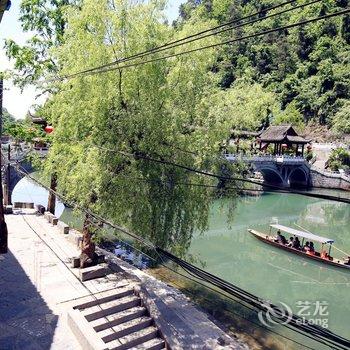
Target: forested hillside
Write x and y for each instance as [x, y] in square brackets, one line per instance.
[128, 127]
[307, 68]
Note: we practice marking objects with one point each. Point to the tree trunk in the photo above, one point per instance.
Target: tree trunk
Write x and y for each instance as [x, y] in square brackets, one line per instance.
[88, 256]
[51, 205]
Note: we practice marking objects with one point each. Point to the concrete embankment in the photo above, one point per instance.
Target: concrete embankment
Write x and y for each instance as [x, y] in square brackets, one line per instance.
[324, 179]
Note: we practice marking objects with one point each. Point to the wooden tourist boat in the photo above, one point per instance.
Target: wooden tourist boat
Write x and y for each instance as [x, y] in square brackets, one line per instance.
[270, 239]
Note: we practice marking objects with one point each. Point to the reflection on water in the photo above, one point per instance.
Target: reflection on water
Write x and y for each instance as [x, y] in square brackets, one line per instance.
[230, 252]
[126, 252]
[28, 191]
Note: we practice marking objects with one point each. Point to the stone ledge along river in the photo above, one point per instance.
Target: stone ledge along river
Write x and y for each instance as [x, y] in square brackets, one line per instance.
[311, 289]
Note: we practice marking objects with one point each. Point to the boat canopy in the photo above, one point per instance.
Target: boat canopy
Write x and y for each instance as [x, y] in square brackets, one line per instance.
[303, 234]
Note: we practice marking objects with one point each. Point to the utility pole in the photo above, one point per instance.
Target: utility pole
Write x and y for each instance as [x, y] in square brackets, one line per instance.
[3, 226]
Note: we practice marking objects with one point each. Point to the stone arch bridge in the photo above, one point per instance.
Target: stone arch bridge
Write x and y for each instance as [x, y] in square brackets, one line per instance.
[17, 158]
[284, 171]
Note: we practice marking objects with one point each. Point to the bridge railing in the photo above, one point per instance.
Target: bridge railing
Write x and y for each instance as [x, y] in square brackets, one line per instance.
[333, 174]
[265, 158]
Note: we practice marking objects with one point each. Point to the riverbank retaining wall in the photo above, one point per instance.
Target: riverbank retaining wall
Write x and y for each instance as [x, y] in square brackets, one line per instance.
[326, 179]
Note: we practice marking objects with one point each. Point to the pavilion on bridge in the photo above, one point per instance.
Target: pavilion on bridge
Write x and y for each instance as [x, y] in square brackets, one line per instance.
[284, 140]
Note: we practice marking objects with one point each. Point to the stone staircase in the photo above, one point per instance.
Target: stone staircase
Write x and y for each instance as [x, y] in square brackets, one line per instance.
[117, 320]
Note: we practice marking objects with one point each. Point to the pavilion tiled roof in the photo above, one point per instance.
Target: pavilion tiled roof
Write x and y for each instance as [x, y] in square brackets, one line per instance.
[276, 133]
[280, 133]
[297, 139]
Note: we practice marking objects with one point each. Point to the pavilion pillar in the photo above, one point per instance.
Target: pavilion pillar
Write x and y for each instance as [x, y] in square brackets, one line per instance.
[302, 150]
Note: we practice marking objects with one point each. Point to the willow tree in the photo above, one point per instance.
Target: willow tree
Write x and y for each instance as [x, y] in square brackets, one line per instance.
[106, 124]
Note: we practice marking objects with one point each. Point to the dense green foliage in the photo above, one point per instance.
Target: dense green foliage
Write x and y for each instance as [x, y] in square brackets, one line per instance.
[306, 66]
[7, 118]
[20, 129]
[45, 18]
[339, 159]
[181, 109]
[151, 110]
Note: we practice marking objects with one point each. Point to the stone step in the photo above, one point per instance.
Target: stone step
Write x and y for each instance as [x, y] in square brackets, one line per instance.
[125, 328]
[111, 307]
[93, 272]
[106, 297]
[153, 344]
[134, 339]
[113, 320]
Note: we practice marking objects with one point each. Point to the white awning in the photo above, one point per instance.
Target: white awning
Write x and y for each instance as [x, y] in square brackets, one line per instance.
[303, 234]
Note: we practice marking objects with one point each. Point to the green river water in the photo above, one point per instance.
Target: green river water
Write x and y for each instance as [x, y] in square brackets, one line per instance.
[232, 253]
[229, 251]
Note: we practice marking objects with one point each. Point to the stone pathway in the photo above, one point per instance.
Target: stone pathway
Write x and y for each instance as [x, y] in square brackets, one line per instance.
[38, 289]
[33, 282]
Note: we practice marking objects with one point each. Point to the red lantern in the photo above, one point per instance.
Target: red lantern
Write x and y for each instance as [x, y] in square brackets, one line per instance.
[48, 129]
[284, 145]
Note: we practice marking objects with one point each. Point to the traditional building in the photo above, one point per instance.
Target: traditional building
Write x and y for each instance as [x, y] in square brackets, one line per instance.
[283, 138]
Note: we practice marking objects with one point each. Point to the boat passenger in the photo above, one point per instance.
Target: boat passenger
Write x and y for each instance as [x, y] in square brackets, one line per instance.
[347, 261]
[312, 249]
[324, 255]
[290, 243]
[296, 243]
[280, 238]
[306, 247]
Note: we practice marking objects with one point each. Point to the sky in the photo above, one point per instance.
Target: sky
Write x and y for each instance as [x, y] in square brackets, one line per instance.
[15, 101]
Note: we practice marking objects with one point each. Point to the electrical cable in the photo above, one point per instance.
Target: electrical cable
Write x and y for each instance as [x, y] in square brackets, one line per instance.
[196, 281]
[269, 31]
[194, 37]
[293, 321]
[91, 294]
[314, 332]
[139, 155]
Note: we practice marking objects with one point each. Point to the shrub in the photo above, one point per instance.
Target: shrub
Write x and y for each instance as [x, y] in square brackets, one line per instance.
[339, 159]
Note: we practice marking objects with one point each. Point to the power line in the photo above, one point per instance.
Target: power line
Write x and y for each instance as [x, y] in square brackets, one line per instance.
[309, 330]
[282, 28]
[81, 208]
[194, 37]
[194, 184]
[170, 269]
[196, 281]
[139, 155]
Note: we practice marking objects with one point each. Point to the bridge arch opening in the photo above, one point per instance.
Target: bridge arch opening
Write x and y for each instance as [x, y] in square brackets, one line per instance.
[271, 177]
[298, 178]
[22, 189]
